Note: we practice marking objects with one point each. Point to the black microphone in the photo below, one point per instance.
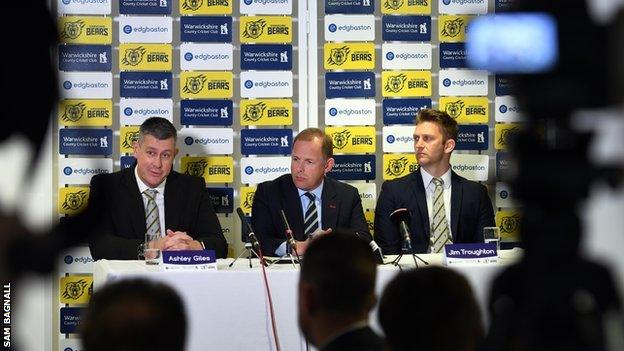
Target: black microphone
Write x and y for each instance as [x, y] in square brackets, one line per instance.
[376, 249]
[289, 236]
[251, 236]
[401, 217]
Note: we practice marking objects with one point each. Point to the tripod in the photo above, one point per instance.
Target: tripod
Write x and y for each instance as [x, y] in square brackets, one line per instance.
[408, 251]
[250, 252]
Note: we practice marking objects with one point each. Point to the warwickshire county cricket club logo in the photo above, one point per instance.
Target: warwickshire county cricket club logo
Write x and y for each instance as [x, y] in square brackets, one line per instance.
[74, 290]
[74, 201]
[129, 139]
[74, 112]
[396, 167]
[72, 30]
[195, 84]
[249, 199]
[134, 56]
[453, 27]
[341, 139]
[338, 56]
[254, 29]
[196, 168]
[454, 109]
[192, 5]
[395, 83]
[254, 112]
[393, 4]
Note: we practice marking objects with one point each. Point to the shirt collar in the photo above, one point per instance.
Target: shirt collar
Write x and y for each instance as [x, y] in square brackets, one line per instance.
[427, 178]
[316, 191]
[143, 187]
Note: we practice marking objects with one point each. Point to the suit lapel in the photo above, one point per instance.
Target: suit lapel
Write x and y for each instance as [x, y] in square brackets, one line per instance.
[171, 200]
[292, 207]
[421, 200]
[329, 204]
[456, 200]
[133, 201]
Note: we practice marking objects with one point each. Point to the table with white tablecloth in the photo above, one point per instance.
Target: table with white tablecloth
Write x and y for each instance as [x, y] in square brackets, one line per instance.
[227, 309]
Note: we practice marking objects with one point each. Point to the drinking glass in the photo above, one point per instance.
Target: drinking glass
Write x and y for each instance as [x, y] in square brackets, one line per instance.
[150, 252]
[492, 234]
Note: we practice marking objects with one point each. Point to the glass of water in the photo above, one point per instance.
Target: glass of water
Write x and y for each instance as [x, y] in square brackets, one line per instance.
[492, 234]
[150, 250]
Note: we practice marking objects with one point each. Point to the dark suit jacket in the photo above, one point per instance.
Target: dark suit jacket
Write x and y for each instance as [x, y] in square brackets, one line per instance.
[341, 208]
[362, 339]
[471, 210]
[117, 210]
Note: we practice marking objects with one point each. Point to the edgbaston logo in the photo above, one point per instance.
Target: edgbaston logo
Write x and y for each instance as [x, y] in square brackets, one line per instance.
[192, 5]
[73, 290]
[509, 224]
[194, 84]
[249, 199]
[129, 139]
[338, 56]
[72, 30]
[393, 4]
[452, 27]
[74, 201]
[254, 112]
[395, 83]
[454, 109]
[74, 112]
[196, 168]
[396, 166]
[254, 29]
[341, 139]
[134, 56]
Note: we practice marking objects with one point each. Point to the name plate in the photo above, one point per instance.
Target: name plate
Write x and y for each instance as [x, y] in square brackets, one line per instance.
[465, 254]
[189, 260]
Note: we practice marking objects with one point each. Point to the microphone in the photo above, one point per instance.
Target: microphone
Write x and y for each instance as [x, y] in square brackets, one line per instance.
[288, 231]
[376, 249]
[401, 217]
[251, 236]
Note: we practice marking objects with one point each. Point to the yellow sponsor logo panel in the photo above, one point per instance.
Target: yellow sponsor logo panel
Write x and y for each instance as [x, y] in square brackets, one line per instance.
[406, 83]
[206, 85]
[452, 28]
[85, 30]
[402, 7]
[266, 112]
[398, 165]
[205, 7]
[509, 224]
[265, 29]
[75, 289]
[466, 110]
[502, 131]
[85, 113]
[246, 198]
[127, 136]
[145, 57]
[216, 169]
[370, 221]
[72, 200]
[349, 56]
[352, 140]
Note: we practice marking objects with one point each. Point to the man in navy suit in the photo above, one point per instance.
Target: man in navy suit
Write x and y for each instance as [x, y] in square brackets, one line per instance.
[328, 204]
[466, 205]
[117, 202]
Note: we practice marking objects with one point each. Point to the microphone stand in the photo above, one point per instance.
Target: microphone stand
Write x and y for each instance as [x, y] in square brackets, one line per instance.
[252, 246]
[291, 243]
[401, 216]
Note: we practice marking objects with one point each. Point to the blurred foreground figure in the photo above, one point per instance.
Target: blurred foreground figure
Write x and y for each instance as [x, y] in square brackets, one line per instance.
[134, 315]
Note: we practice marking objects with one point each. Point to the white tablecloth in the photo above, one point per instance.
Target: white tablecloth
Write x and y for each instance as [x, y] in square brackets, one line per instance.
[227, 309]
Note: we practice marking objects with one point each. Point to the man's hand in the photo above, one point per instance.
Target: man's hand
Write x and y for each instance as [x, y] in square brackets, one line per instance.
[302, 246]
[176, 241]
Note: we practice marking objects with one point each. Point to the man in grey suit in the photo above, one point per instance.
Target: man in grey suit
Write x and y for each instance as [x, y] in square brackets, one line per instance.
[444, 207]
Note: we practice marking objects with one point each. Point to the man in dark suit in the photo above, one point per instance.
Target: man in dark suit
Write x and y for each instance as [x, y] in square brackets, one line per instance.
[444, 207]
[328, 203]
[182, 213]
[336, 294]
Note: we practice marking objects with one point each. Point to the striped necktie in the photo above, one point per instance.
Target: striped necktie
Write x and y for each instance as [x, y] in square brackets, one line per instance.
[310, 222]
[152, 220]
[439, 229]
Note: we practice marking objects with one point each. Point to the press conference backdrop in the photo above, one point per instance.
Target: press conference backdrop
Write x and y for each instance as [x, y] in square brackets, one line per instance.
[240, 78]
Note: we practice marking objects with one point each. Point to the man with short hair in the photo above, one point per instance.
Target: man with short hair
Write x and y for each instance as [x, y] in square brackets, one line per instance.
[151, 197]
[313, 203]
[444, 207]
[134, 315]
[337, 292]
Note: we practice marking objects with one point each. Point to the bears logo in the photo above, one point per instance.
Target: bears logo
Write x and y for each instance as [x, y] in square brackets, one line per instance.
[452, 28]
[338, 56]
[395, 83]
[74, 112]
[341, 139]
[72, 30]
[254, 112]
[454, 109]
[196, 168]
[396, 167]
[133, 56]
[194, 85]
[254, 29]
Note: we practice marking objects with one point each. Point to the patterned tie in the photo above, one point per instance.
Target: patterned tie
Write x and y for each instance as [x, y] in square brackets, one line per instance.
[152, 219]
[439, 229]
[310, 222]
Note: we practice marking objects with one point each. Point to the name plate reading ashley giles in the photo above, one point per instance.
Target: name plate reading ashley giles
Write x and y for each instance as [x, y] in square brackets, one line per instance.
[470, 254]
[189, 260]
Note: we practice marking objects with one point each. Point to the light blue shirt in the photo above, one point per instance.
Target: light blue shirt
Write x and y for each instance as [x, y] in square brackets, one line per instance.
[305, 201]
